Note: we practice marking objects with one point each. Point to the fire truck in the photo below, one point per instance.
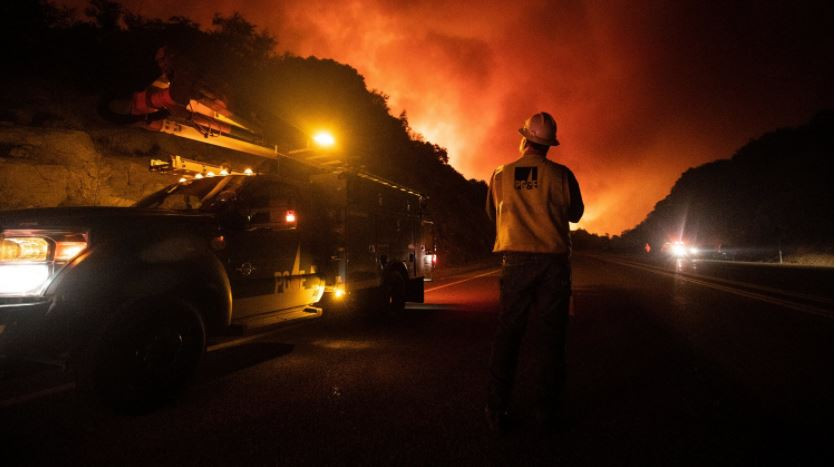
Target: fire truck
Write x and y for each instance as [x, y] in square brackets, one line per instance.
[129, 297]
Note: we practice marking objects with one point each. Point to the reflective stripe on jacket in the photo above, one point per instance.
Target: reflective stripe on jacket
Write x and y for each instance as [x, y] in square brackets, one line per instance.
[533, 200]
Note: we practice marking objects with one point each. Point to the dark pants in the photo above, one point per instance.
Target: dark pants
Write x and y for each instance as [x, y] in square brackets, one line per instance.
[537, 285]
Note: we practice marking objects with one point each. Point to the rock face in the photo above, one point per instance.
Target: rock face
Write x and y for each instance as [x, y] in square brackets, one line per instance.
[42, 167]
[46, 166]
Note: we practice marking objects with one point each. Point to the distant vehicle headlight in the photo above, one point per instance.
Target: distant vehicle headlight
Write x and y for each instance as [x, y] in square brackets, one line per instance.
[679, 250]
[694, 250]
[29, 259]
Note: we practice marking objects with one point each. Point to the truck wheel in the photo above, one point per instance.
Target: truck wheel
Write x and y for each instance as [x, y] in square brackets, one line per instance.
[147, 356]
[394, 290]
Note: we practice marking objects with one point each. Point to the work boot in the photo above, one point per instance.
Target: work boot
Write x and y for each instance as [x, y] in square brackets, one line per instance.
[498, 420]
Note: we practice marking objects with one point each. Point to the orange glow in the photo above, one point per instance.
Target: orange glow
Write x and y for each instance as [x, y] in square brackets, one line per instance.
[290, 217]
[344, 344]
[66, 251]
[324, 139]
[218, 243]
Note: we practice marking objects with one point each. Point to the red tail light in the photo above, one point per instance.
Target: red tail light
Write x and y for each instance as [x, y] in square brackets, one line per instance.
[290, 217]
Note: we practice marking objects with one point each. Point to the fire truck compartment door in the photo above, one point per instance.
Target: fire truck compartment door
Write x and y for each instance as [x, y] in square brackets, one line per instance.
[270, 266]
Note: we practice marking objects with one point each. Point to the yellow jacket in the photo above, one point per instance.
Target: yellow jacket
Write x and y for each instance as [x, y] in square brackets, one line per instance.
[532, 201]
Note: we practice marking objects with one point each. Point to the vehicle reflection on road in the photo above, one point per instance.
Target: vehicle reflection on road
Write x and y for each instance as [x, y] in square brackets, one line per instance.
[685, 265]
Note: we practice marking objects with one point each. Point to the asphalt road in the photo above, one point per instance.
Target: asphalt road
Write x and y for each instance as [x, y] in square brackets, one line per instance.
[664, 369]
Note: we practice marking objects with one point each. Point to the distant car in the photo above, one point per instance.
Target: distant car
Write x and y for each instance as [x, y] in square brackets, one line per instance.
[680, 249]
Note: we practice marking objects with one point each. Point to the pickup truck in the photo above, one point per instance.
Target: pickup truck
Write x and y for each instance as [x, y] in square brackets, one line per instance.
[129, 297]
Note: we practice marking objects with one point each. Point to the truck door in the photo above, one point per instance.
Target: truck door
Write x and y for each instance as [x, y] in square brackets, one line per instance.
[270, 270]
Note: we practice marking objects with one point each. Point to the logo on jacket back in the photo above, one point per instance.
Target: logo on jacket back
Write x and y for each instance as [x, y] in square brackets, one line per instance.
[525, 178]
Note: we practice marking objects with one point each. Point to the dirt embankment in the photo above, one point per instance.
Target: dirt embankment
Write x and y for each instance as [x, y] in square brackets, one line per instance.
[48, 166]
[42, 167]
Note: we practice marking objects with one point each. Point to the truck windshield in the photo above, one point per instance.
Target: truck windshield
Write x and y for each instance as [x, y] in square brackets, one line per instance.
[207, 194]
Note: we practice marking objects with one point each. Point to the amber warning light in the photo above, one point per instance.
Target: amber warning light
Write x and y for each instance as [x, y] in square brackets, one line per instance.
[65, 251]
[324, 139]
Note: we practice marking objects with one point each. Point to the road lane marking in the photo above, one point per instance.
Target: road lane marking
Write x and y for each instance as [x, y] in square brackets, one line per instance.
[744, 285]
[766, 265]
[468, 279]
[743, 293]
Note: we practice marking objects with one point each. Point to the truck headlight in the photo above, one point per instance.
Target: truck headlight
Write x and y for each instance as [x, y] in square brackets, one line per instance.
[23, 279]
[18, 249]
[29, 259]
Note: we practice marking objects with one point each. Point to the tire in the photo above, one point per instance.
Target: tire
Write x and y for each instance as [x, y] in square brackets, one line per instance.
[394, 293]
[147, 356]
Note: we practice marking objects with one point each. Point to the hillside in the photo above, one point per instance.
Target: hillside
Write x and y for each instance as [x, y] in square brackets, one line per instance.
[61, 145]
[776, 192]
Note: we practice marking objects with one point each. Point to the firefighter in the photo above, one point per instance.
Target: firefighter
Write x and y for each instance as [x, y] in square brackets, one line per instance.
[532, 200]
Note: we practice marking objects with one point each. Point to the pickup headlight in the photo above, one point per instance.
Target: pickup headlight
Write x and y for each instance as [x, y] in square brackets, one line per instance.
[23, 279]
[29, 260]
[17, 249]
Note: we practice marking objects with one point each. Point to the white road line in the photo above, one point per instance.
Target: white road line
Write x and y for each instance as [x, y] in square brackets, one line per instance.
[767, 265]
[743, 293]
[746, 285]
[468, 279]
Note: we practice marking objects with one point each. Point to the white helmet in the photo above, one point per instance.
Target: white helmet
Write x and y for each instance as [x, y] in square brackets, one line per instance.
[540, 128]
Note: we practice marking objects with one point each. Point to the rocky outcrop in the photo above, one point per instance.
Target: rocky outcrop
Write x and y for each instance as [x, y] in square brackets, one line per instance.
[42, 167]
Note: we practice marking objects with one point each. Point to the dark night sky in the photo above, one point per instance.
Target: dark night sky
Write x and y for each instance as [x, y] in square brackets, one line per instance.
[641, 90]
